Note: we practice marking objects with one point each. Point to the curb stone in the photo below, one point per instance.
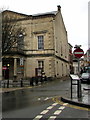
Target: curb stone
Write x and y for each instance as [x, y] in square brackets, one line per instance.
[75, 103]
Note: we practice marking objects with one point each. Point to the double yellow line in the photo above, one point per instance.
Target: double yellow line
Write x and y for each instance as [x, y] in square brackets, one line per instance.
[57, 100]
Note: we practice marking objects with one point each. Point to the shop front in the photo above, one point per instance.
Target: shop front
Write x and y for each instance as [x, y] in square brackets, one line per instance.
[11, 68]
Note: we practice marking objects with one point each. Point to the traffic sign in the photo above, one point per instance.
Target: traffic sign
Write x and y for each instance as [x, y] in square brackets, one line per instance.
[78, 52]
[21, 61]
[4, 68]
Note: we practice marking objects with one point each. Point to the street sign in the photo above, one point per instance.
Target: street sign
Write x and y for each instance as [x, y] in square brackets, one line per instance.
[4, 68]
[21, 61]
[78, 52]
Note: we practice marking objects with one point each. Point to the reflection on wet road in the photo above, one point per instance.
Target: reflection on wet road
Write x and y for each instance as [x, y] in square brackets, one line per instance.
[31, 102]
[29, 97]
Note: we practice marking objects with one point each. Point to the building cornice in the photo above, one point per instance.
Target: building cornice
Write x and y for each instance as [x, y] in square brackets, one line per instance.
[48, 55]
[27, 17]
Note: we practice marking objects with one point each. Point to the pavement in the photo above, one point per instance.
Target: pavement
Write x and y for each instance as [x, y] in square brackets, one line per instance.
[3, 90]
[83, 101]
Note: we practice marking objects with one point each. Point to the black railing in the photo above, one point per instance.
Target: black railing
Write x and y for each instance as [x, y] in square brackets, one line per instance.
[22, 83]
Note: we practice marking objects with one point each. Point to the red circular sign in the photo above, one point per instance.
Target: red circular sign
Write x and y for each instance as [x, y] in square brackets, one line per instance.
[78, 52]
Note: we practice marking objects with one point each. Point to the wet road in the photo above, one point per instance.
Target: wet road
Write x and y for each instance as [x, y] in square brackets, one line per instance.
[37, 102]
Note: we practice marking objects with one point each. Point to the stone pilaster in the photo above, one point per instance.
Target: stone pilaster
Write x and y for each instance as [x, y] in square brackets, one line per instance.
[15, 66]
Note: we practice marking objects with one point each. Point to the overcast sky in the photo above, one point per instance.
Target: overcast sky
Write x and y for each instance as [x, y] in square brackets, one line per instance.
[74, 12]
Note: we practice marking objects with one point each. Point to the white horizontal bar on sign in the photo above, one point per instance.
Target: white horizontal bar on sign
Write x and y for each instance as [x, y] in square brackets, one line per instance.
[78, 52]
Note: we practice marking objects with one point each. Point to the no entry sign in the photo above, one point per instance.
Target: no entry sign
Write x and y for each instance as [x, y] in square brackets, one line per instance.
[78, 52]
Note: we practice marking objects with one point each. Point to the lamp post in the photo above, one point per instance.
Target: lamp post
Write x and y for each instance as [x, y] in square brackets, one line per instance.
[20, 48]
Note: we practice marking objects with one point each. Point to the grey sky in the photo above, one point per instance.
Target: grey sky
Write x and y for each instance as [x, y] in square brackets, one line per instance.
[74, 12]
[89, 25]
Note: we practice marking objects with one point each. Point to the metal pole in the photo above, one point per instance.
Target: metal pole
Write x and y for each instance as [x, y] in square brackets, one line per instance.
[78, 88]
[8, 83]
[79, 94]
[78, 67]
[71, 87]
[21, 82]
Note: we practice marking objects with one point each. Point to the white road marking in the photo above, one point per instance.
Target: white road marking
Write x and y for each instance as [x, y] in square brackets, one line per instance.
[50, 107]
[52, 117]
[57, 112]
[61, 108]
[38, 117]
[39, 98]
[54, 104]
[65, 104]
[44, 112]
[47, 98]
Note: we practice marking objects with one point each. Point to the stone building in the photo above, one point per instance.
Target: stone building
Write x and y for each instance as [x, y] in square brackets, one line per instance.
[45, 46]
[70, 58]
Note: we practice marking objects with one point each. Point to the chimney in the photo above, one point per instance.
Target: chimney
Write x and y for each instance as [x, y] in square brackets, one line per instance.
[59, 7]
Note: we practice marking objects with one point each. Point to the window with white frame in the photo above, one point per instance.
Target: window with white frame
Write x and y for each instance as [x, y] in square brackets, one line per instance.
[41, 42]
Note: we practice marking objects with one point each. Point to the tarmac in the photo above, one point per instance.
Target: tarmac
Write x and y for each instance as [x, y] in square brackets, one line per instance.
[82, 101]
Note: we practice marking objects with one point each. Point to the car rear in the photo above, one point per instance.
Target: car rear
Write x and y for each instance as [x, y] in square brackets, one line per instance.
[85, 77]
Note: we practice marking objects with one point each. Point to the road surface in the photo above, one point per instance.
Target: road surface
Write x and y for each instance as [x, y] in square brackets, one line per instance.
[42, 101]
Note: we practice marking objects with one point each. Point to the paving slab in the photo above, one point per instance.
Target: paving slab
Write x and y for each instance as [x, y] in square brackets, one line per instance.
[83, 101]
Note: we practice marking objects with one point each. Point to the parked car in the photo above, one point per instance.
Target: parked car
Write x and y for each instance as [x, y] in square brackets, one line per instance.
[85, 77]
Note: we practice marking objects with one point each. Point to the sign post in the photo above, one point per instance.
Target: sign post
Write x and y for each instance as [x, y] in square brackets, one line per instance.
[78, 53]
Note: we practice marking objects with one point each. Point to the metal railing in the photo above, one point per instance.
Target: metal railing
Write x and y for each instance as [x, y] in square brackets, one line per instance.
[22, 83]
